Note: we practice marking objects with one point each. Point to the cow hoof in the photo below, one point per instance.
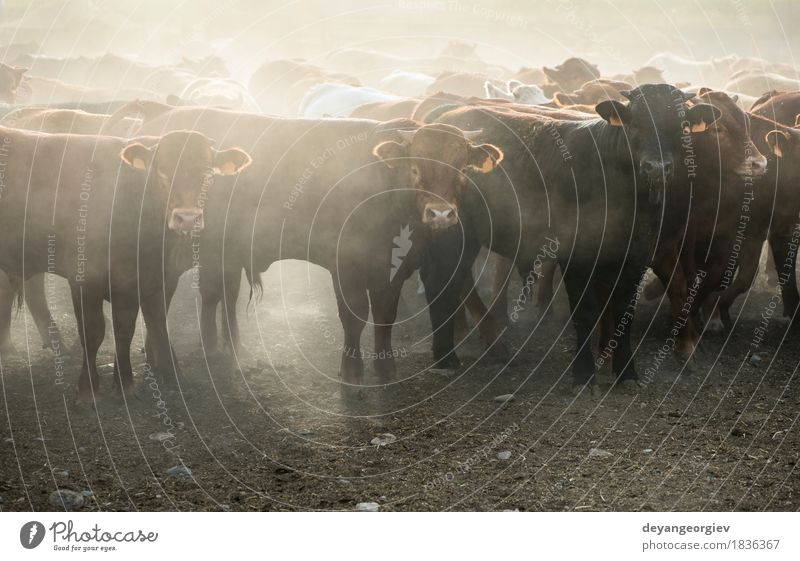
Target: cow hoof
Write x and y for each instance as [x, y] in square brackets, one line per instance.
[352, 393]
[588, 387]
[448, 362]
[385, 369]
[8, 350]
[627, 385]
[498, 351]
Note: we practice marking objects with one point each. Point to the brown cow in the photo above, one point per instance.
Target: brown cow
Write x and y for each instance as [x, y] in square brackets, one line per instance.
[704, 213]
[71, 121]
[107, 220]
[49, 121]
[327, 188]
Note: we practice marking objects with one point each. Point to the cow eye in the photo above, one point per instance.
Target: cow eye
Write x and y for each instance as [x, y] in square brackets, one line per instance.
[415, 171]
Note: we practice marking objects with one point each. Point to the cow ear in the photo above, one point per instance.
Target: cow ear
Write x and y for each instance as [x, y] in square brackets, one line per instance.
[702, 115]
[615, 112]
[493, 92]
[230, 161]
[563, 99]
[389, 151]
[18, 73]
[484, 157]
[704, 90]
[797, 120]
[551, 73]
[137, 155]
[778, 142]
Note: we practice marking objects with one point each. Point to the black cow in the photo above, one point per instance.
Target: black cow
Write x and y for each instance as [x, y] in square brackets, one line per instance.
[591, 191]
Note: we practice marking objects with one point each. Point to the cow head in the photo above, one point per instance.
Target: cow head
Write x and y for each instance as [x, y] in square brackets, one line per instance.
[648, 75]
[728, 137]
[183, 163]
[657, 122]
[572, 73]
[10, 79]
[435, 157]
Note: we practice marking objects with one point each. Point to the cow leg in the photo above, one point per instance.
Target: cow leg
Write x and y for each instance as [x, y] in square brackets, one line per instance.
[170, 286]
[545, 293]
[353, 303]
[88, 304]
[444, 270]
[460, 325]
[585, 316]
[785, 265]
[211, 295]
[36, 301]
[622, 300]
[8, 295]
[488, 327]
[502, 278]
[384, 304]
[230, 326]
[749, 259]
[605, 346]
[124, 312]
[154, 311]
[668, 267]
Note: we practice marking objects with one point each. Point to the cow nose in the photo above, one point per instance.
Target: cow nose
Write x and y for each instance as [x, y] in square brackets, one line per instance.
[185, 220]
[440, 216]
[758, 166]
[657, 169]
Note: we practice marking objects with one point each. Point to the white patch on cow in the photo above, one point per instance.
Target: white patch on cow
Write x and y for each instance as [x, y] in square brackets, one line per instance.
[339, 100]
[402, 245]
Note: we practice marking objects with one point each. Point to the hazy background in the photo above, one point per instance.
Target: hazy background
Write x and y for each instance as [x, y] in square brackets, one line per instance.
[618, 35]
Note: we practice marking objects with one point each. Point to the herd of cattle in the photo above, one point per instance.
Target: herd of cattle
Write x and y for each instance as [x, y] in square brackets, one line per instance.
[120, 176]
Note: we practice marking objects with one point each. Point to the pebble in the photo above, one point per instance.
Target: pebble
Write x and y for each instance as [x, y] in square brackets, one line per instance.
[505, 398]
[176, 471]
[66, 499]
[383, 439]
[599, 453]
[87, 494]
[757, 358]
[504, 455]
[368, 507]
[648, 450]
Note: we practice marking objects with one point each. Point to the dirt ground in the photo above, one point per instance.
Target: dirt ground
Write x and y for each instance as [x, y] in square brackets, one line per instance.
[274, 434]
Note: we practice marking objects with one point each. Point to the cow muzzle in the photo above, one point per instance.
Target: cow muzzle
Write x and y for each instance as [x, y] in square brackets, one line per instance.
[186, 220]
[753, 166]
[656, 169]
[440, 216]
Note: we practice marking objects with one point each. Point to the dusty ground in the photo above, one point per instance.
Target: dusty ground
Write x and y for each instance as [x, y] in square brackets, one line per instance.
[276, 435]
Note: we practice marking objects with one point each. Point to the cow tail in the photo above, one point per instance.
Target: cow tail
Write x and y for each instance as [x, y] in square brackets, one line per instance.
[256, 286]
